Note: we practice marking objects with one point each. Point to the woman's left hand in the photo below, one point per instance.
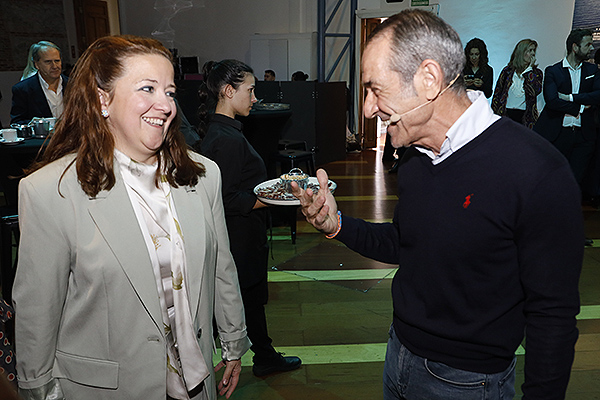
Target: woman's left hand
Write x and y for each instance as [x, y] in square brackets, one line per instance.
[478, 82]
[231, 376]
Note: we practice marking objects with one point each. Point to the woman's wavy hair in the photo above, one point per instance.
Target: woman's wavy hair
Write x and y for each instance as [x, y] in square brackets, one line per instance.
[516, 59]
[479, 44]
[82, 130]
[221, 74]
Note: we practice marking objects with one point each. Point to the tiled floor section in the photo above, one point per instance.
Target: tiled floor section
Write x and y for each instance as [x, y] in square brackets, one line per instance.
[333, 308]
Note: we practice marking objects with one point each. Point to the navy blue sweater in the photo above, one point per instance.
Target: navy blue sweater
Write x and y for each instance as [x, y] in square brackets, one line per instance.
[490, 245]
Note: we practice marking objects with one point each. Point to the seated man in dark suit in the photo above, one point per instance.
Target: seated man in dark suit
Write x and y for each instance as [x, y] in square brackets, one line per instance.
[572, 91]
[40, 95]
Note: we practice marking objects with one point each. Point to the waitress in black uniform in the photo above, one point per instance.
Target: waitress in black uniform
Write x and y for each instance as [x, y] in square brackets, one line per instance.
[227, 91]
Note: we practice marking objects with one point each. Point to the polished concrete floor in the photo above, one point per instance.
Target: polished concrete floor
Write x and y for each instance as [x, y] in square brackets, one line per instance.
[333, 307]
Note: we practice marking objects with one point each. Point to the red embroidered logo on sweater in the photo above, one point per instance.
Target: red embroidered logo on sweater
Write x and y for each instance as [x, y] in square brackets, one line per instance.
[467, 201]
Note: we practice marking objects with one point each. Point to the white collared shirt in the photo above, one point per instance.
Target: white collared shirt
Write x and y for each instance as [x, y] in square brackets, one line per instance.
[575, 73]
[516, 93]
[55, 99]
[476, 119]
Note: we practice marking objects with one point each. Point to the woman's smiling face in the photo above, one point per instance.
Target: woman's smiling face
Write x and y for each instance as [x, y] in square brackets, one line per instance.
[142, 106]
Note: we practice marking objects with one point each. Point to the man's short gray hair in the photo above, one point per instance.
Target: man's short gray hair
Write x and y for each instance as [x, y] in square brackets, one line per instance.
[417, 35]
[39, 47]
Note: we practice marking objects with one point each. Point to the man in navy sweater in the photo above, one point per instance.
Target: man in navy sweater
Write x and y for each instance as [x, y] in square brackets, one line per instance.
[487, 231]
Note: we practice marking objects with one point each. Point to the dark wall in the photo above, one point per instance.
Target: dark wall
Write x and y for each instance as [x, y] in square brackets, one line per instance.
[318, 113]
[187, 97]
[25, 22]
[318, 117]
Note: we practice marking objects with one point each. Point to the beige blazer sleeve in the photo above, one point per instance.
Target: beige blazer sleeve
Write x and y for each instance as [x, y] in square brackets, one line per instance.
[227, 298]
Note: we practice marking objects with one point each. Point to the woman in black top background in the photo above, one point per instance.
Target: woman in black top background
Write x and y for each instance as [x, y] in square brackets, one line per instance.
[228, 90]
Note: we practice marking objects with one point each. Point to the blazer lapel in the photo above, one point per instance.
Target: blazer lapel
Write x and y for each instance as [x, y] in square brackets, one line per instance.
[567, 86]
[587, 80]
[43, 108]
[115, 218]
[64, 85]
[190, 212]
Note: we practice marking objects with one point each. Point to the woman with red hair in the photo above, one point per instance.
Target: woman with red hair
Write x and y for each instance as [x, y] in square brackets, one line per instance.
[124, 258]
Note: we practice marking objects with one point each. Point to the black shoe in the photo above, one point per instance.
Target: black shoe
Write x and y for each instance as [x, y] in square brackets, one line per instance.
[588, 242]
[394, 168]
[279, 363]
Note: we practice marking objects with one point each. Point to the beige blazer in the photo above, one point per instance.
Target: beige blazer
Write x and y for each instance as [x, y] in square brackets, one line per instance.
[88, 318]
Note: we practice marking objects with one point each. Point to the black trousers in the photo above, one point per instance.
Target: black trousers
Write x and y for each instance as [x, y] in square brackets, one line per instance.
[255, 298]
[577, 149]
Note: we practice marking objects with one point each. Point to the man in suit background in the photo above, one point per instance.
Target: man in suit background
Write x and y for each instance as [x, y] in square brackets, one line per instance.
[40, 95]
[571, 92]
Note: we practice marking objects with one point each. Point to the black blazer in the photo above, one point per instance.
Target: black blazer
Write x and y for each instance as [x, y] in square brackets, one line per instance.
[557, 80]
[29, 100]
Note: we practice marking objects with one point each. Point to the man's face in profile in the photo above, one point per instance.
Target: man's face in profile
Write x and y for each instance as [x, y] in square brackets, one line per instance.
[584, 49]
[269, 76]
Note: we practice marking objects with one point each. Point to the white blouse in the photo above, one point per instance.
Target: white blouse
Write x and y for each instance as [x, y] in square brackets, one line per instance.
[516, 93]
[157, 219]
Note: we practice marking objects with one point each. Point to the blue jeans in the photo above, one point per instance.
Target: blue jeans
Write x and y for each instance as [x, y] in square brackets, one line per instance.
[407, 376]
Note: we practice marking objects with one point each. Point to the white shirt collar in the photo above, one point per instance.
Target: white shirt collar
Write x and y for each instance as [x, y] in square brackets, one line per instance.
[476, 119]
[566, 64]
[46, 86]
[136, 174]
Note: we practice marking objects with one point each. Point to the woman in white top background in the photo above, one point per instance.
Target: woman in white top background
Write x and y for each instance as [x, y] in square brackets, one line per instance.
[519, 84]
[124, 257]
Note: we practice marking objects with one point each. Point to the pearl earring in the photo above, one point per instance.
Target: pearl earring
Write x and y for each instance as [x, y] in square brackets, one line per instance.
[105, 113]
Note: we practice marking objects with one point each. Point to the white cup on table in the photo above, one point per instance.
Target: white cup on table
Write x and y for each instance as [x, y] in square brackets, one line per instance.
[9, 135]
